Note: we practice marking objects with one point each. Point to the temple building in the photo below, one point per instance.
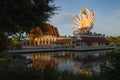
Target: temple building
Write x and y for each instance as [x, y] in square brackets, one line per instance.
[47, 36]
[63, 42]
[82, 24]
[50, 37]
[88, 40]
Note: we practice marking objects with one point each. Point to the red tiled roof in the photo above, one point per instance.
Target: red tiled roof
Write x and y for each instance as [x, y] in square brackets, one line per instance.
[92, 39]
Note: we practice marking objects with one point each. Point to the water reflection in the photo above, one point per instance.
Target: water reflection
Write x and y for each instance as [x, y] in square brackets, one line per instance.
[83, 62]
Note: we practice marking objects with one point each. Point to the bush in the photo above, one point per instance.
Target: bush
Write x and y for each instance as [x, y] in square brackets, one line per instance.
[110, 70]
[4, 42]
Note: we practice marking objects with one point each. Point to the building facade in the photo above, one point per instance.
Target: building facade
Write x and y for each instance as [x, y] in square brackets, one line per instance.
[45, 37]
[88, 40]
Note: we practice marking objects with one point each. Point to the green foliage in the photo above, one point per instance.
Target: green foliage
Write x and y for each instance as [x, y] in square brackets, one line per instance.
[77, 44]
[50, 73]
[24, 74]
[18, 56]
[16, 71]
[16, 43]
[22, 15]
[4, 42]
[110, 70]
[66, 75]
[5, 55]
[114, 41]
[18, 16]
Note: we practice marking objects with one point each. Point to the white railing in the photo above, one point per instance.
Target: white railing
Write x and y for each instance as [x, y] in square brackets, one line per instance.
[60, 49]
[92, 47]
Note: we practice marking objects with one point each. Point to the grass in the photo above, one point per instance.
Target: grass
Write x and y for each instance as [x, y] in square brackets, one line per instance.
[2, 59]
[4, 56]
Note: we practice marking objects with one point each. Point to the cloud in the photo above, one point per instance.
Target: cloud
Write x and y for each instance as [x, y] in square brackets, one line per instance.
[63, 21]
[62, 18]
[105, 24]
[117, 13]
[108, 24]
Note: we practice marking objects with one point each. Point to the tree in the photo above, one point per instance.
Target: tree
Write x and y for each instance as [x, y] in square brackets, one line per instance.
[22, 15]
[114, 41]
[110, 70]
[18, 16]
[4, 42]
[16, 43]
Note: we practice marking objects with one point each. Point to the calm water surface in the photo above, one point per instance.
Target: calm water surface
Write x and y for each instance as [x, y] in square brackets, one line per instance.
[71, 61]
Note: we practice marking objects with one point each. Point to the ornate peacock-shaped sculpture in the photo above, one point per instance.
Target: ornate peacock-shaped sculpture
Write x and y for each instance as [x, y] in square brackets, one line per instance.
[83, 22]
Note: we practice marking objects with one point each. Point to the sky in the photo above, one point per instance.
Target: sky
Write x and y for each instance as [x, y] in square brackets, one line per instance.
[107, 15]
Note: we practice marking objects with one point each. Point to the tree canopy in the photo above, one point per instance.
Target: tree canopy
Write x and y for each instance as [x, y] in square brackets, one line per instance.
[18, 16]
[22, 15]
[114, 41]
[110, 69]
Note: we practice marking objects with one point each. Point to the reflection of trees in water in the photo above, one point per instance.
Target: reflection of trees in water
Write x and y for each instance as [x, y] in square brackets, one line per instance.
[89, 58]
[90, 63]
[92, 59]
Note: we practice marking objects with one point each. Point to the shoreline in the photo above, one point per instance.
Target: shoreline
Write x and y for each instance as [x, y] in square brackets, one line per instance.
[36, 50]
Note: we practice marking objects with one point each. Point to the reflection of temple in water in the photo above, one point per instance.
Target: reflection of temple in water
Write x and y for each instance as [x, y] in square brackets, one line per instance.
[84, 63]
[41, 61]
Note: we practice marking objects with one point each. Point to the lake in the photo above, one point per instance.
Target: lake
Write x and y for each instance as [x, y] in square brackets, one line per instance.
[83, 62]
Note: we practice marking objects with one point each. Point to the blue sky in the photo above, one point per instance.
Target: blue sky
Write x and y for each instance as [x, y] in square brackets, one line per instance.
[107, 15]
